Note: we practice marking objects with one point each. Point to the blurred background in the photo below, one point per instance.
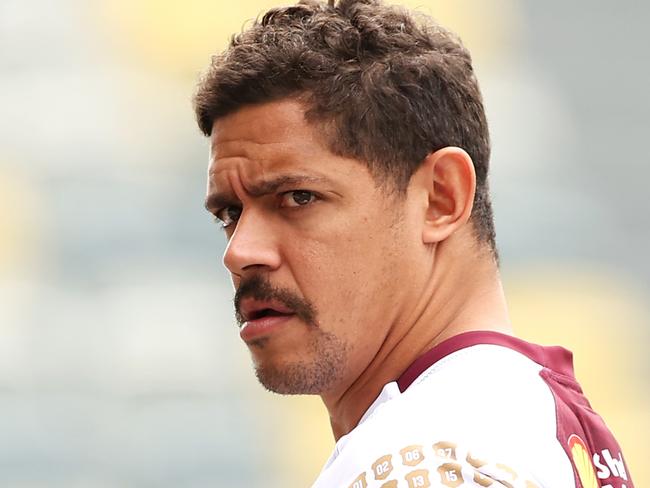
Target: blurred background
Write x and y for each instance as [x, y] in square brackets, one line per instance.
[120, 365]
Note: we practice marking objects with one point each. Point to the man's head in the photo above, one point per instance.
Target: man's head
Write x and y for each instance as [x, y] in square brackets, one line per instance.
[335, 167]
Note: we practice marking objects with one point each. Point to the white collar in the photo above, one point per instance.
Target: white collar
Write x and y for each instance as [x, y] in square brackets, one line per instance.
[388, 392]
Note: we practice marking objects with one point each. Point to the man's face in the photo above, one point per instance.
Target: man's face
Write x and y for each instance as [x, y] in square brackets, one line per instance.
[321, 258]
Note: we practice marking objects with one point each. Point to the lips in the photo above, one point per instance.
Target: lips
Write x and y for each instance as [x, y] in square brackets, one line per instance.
[252, 310]
[261, 319]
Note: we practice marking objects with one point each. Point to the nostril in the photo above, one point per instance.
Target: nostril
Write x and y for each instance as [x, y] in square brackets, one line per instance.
[250, 251]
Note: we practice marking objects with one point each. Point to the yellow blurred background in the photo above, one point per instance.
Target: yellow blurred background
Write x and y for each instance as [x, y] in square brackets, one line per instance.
[120, 365]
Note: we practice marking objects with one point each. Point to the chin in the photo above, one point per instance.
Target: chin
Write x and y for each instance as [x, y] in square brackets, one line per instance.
[298, 378]
[319, 369]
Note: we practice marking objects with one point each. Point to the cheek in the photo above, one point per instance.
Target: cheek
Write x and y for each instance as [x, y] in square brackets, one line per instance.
[346, 278]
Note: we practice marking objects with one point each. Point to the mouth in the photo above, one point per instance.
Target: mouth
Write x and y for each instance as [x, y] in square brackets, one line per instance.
[260, 319]
[252, 310]
[263, 313]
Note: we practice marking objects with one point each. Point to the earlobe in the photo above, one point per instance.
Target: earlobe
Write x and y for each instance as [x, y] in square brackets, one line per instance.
[451, 181]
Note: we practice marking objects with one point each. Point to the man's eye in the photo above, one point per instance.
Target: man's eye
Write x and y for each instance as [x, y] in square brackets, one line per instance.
[228, 216]
[297, 198]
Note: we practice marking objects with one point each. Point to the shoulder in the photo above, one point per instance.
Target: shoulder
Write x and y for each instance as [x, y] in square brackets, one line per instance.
[482, 416]
[443, 464]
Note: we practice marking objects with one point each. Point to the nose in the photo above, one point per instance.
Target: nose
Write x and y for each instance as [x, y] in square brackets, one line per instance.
[252, 245]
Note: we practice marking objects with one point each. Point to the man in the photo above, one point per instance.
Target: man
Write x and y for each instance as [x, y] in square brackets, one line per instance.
[349, 161]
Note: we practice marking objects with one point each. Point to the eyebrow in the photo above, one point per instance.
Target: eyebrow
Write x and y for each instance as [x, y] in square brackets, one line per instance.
[219, 200]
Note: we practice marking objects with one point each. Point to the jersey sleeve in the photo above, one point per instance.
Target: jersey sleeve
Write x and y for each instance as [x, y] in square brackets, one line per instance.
[442, 464]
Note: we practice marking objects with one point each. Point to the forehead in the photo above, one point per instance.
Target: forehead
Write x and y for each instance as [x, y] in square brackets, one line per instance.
[264, 137]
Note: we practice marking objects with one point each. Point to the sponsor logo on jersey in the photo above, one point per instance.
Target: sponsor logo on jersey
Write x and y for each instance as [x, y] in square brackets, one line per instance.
[582, 462]
[601, 466]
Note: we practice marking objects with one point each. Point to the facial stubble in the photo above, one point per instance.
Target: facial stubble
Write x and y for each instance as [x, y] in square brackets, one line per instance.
[326, 353]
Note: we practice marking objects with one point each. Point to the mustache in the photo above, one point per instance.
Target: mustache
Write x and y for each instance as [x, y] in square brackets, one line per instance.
[260, 288]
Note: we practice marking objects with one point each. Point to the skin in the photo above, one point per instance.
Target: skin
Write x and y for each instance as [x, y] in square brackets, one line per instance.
[388, 276]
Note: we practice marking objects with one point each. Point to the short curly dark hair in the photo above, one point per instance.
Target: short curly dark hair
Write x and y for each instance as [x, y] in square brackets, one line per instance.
[389, 86]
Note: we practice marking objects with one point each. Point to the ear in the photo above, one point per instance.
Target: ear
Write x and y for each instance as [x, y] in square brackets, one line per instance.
[449, 179]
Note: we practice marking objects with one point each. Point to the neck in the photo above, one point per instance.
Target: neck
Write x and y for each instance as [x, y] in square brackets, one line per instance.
[461, 294]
